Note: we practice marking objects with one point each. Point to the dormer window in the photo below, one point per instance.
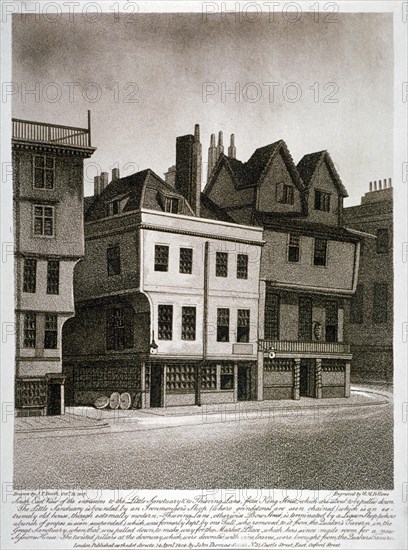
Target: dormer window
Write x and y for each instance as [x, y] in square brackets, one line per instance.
[322, 201]
[116, 206]
[285, 194]
[171, 205]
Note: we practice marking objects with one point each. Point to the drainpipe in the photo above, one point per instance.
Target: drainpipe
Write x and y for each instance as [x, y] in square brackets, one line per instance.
[205, 325]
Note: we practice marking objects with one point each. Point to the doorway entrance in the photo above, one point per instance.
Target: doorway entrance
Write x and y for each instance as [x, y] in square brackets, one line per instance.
[244, 383]
[156, 385]
[54, 399]
[307, 378]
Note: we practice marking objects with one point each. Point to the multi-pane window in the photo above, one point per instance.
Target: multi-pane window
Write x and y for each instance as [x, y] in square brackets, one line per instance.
[172, 205]
[209, 377]
[221, 264]
[53, 269]
[285, 194]
[30, 275]
[322, 201]
[357, 305]
[382, 241]
[294, 248]
[119, 328]
[161, 257]
[223, 324]
[332, 321]
[165, 322]
[320, 252]
[380, 302]
[271, 315]
[113, 260]
[243, 322]
[44, 172]
[227, 377]
[181, 378]
[188, 323]
[186, 260]
[30, 330]
[50, 333]
[43, 220]
[242, 266]
[305, 319]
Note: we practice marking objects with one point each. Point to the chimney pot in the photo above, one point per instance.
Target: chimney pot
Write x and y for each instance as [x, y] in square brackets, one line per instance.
[389, 182]
[97, 185]
[220, 139]
[197, 133]
[104, 180]
[375, 185]
[379, 185]
[232, 152]
[385, 184]
[371, 186]
[170, 176]
[212, 140]
[115, 174]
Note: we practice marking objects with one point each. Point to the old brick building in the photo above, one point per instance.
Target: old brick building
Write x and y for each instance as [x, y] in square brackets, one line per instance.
[48, 236]
[371, 315]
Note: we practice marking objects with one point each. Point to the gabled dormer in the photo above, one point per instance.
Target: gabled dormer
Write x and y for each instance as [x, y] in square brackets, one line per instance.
[324, 189]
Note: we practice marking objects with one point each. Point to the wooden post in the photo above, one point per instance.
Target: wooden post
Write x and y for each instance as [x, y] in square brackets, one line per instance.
[89, 128]
[143, 384]
[347, 373]
[318, 378]
[296, 379]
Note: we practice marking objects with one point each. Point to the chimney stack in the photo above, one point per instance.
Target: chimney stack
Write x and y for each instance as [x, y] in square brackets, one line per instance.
[212, 156]
[375, 186]
[389, 182]
[371, 186]
[188, 168]
[170, 176]
[97, 185]
[379, 185]
[232, 152]
[104, 180]
[220, 146]
[115, 174]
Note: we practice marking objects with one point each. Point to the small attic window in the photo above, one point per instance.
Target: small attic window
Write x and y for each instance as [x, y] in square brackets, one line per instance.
[285, 194]
[172, 205]
[116, 206]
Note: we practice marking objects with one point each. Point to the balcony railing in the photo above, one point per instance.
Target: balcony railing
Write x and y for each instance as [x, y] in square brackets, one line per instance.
[286, 346]
[56, 134]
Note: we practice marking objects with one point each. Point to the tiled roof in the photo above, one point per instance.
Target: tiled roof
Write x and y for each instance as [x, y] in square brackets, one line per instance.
[212, 211]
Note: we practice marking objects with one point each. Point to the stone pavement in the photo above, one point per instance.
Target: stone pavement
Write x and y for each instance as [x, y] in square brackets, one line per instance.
[78, 419]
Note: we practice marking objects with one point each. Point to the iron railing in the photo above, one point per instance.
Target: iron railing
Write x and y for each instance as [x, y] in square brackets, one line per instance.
[303, 347]
[27, 130]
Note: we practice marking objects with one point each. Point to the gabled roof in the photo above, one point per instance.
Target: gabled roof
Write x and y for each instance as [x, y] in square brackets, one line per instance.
[212, 211]
[144, 189]
[251, 173]
[309, 166]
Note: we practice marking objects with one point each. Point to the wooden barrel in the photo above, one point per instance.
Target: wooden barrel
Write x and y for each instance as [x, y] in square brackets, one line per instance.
[125, 401]
[114, 400]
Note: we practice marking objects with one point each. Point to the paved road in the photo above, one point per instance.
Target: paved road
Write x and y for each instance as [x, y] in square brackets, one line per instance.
[328, 449]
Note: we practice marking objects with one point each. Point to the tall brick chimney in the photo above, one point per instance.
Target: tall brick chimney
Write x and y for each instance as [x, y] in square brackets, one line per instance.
[232, 152]
[212, 156]
[188, 168]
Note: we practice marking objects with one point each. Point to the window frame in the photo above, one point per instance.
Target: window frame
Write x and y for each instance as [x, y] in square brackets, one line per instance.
[243, 322]
[50, 275]
[113, 260]
[30, 332]
[293, 247]
[187, 262]
[43, 217]
[164, 247]
[119, 337]
[160, 322]
[322, 200]
[223, 327]
[221, 264]
[169, 202]
[188, 333]
[321, 239]
[44, 170]
[285, 193]
[50, 331]
[227, 377]
[242, 271]
[30, 274]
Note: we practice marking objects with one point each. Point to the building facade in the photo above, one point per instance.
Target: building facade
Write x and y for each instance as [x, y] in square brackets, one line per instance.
[167, 295]
[48, 235]
[309, 265]
[371, 313]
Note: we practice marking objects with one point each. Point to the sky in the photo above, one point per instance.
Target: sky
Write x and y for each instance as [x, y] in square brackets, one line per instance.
[148, 78]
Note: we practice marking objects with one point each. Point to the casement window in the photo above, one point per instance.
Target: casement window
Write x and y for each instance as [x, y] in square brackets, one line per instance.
[188, 323]
[242, 266]
[43, 220]
[223, 320]
[116, 206]
[30, 275]
[221, 264]
[332, 321]
[380, 303]
[209, 377]
[305, 319]
[53, 271]
[186, 260]
[227, 377]
[320, 252]
[50, 333]
[171, 205]
[272, 312]
[113, 260]
[165, 322]
[44, 169]
[322, 201]
[357, 305]
[30, 329]
[294, 248]
[161, 257]
[243, 322]
[382, 241]
[285, 194]
[119, 329]
[181, 378]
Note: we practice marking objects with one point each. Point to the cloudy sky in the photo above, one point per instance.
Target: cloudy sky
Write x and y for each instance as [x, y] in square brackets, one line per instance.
[315, 84]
